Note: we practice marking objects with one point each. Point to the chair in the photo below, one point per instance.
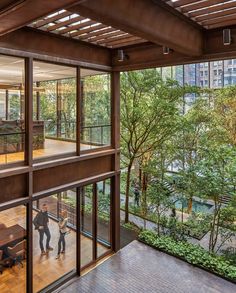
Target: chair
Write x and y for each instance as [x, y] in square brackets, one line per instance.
[2, 226]
[18, 252]
[1, 262]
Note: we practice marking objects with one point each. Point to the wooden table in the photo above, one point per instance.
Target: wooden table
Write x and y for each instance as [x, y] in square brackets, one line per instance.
[11, 234]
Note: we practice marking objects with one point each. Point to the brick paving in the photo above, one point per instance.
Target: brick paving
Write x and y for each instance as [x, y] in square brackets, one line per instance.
[139, 268]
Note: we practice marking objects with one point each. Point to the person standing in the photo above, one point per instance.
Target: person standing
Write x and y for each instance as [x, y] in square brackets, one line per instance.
[62, 224]
[136, 195]
[41, 224]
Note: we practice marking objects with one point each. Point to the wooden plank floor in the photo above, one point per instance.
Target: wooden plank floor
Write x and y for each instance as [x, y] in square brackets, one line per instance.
[138, 268]
[46, 269]
[51, 147]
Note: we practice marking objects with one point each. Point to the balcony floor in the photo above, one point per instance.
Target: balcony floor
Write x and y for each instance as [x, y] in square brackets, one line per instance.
[51, 147]
[139, 268]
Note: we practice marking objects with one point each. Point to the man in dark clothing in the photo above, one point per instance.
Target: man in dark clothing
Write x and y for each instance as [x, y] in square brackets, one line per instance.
[136, 195]
[41, 224]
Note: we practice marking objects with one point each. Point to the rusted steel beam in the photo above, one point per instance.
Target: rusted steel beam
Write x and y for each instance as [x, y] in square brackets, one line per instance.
[148, 20]
[149, 55]
[44, 43]
[20, 13]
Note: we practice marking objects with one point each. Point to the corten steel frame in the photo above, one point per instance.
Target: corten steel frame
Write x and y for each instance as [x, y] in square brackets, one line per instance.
[23, 183]
[34, 179]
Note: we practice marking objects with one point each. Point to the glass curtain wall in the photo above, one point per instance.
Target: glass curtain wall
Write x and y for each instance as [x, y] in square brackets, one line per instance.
[214, 74]
[54, 109]
[103, 216]
[55, 246]
[54, 238]
[95, 221]
[13, 246]
[12, 109]
[95, 109]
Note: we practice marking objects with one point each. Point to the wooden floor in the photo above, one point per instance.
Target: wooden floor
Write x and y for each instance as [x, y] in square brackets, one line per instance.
[46, 269]
[138, 268]
[51, 147]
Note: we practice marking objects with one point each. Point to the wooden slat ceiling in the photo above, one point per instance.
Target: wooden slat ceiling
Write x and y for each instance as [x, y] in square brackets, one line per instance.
[208, 13]
[75, 26]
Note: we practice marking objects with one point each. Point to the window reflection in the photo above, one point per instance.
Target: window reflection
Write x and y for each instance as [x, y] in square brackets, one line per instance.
[95, 109]
[103, 216]
[12, 104]
[54, 110]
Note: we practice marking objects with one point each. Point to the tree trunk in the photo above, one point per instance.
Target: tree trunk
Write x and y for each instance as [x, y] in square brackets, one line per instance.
[104, 186]
[127, 192]
[144, 194]
[190, 205]
[216, 229]
[140, 176]
[212, 229]
[158, 219]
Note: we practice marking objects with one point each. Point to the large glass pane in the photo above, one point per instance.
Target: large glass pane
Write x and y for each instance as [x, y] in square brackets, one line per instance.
[202, 74]
[54, 238]
[86, 225]
[216, 74]
[190, 79]
[178, 73]
[12, 104]
[166, 72]
[229, 72]
[103, 216]
[13, 243]
[96, 109]
[54, 110]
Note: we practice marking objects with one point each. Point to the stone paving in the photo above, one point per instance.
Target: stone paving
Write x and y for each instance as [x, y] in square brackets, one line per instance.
[139, 268]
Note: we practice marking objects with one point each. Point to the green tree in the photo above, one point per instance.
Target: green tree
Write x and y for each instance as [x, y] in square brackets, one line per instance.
[213, 181]
[149, 116]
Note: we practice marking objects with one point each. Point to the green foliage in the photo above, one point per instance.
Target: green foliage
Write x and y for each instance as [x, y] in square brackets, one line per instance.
[195, 228]
[14, 106]
[191, 253]
[96, 100]
[131, 226]
[149, 111]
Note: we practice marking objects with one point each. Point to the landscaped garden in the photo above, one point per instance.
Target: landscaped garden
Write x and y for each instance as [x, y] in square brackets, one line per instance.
[178, 146]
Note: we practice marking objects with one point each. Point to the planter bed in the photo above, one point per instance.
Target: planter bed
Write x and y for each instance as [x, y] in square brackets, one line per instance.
[196, 258]
[187, 232]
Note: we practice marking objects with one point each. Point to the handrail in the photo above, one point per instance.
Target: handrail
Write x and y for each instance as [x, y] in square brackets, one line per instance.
[96, 126]
[11, 133]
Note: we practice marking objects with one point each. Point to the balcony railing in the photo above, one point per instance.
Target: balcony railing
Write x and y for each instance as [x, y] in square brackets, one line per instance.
[98, 135]
[10, 142]
[13, 142]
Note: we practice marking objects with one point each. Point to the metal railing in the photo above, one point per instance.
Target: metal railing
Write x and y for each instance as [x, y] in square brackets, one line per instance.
[10, 142]
[98, 135]
[62, 130]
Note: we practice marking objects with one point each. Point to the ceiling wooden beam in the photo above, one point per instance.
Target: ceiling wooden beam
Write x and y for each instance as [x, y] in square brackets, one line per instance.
[146, 19]
[48, 44]
[64, 23]
[13, 17]
[201, 4]
[88, 32]
[212, 9]
[215, 15]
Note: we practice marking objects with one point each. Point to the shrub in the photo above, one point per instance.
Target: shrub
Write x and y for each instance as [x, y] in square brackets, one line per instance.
[193, 254]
